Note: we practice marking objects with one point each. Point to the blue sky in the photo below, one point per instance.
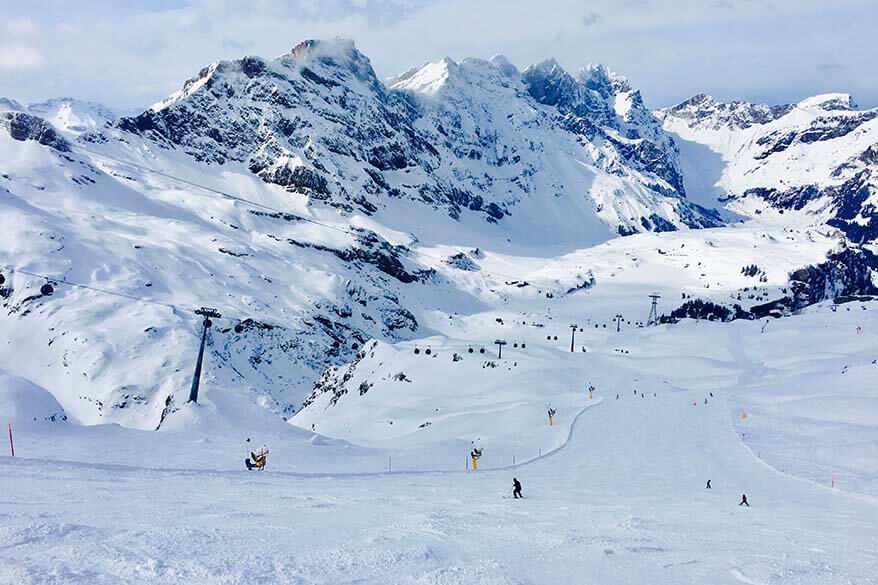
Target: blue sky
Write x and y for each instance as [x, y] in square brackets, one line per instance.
[131, 54]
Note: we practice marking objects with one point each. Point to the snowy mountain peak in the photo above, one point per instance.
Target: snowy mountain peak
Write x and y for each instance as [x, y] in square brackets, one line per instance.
[190, 86]
[703, 111]
[338, 53]
[547, 67]
[602, 80]
[10, 105]
[505, 66]
[829, 102]
[65, 113]
[427, 79]
[336, 49]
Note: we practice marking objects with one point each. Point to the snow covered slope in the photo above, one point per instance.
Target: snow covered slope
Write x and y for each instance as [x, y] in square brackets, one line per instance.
[400, 396]
[314, 206]
[621, 500]
[817, 157]
[318, 209]
[66, 113]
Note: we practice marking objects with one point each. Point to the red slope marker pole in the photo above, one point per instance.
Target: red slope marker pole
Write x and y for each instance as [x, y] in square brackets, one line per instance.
[11, 444]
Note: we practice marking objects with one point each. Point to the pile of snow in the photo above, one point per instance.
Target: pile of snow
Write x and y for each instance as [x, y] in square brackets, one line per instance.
[24, 402]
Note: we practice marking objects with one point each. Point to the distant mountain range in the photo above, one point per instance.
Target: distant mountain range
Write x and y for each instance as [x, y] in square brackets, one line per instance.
[318, 207]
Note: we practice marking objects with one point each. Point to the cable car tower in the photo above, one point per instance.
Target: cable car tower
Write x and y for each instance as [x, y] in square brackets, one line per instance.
[653, 310]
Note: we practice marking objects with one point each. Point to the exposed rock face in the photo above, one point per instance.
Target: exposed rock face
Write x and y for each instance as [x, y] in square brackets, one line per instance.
[600, 104]
[846, 274]
[816, 157]
[704, 111]
[23, 127]
[461, 137]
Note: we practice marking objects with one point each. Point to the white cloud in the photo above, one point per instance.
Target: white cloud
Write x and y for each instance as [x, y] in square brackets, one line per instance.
[20, 57]
[591, 19]
[21, 27]
[134, 53]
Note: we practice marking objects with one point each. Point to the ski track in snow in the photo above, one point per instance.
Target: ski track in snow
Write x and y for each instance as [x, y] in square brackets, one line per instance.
[622, 502]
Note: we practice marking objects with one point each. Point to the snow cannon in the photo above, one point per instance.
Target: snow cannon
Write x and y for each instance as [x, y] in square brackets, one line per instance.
[475, 454]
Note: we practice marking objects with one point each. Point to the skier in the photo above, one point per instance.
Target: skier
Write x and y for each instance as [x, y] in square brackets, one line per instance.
[551, 415]
[744, 501]
[516, 488]
[708, 484]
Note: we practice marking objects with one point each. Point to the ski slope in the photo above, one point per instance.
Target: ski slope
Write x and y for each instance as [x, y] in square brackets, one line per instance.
[620, 499]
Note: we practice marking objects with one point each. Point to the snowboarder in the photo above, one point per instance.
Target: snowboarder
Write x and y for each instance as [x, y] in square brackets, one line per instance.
[516, 488]
[708, 484]
[744, 501]
[551, 415]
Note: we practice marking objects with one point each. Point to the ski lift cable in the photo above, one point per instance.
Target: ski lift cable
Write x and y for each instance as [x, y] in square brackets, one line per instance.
[96, 289]
[297, 216]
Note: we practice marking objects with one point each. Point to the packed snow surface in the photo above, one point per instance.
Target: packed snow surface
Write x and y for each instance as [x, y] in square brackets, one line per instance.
[614, 490]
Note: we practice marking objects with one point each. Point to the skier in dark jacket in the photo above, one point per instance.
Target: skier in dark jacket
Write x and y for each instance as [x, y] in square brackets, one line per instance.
[744, 501]
[708, 484]
[516, 488]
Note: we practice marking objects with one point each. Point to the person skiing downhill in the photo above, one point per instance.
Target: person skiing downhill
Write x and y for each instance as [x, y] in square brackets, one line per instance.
[744, 501]
[516, 488]
[708, 484]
